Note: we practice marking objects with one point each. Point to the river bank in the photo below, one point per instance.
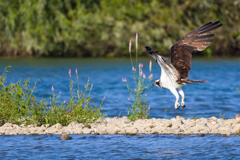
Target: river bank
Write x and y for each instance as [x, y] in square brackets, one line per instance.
[123, 125]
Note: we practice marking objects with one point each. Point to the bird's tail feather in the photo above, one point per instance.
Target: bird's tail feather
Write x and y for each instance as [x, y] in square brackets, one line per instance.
[199, 81]
[186, 80]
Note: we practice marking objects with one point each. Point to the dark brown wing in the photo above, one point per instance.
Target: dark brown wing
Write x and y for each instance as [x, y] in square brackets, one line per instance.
[181, 52]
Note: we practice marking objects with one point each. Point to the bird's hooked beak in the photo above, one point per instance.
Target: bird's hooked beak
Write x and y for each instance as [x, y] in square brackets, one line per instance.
[156, 83]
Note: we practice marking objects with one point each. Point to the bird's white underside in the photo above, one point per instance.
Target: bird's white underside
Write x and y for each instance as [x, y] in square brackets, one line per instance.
[168, 79]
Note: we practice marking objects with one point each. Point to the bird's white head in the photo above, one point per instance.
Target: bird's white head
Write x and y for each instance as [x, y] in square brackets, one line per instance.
[157, 83]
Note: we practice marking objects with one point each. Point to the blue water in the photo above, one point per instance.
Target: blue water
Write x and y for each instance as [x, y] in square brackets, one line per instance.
[120, 147]
[218, 95]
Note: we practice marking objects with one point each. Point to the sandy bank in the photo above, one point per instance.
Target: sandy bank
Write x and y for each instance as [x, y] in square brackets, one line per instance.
[123, 125]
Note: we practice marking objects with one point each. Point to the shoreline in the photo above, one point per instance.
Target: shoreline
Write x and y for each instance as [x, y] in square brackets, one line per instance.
[123, 125]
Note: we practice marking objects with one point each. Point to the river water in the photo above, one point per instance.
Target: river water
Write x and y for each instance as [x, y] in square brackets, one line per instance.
[119, 147]
[217, 96]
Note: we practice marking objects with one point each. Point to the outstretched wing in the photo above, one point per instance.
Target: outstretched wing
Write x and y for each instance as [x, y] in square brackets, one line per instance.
[165, 65]
[181, 52]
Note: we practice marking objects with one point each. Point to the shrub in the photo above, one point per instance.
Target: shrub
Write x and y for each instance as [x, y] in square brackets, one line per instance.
[18, 105]
[99, 27]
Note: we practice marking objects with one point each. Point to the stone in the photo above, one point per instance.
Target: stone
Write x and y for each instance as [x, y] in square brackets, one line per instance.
[13, 132]
[177, 123]
[213, 118]
[2, 130]
[47, 125]
[8, 128]
[204, 120]
[8, 125]
[214, 130]
[124, 117]
[74, 123]
[102, 132]
[86, 126]
[68, 130]
[167, 124]
[19, 131]
[78, 131]
[108, 120]
[141, 130]
[131, 131]
[195, 129]
[33, 130]
[190, 123]
[223, 129]
[154, 119]
[86, 131]
[65, 137]
[201, 125]
[148, 125]
[127, 121]
[41, 130]
[30, 126]
[25, 130]
[237, 120]
[179, 117]
[57, 126]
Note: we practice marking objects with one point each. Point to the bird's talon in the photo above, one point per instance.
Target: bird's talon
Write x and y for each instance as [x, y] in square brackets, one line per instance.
[183, 105]
[177, 106]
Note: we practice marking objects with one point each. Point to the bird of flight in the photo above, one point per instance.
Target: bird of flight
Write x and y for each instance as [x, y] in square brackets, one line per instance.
[174, 74]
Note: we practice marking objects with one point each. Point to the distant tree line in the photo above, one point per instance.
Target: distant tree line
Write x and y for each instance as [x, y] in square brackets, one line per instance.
[99, 28]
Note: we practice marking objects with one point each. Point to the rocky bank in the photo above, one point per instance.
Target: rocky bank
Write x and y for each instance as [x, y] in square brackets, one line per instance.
[123, 125]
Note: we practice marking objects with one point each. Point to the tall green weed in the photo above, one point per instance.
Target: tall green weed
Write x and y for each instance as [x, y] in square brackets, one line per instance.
[18, 104]
[139, 108]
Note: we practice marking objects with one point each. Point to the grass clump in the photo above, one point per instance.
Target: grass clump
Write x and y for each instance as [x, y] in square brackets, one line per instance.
[222, 116]
[237, 133]
[139, 108]
[18, 105]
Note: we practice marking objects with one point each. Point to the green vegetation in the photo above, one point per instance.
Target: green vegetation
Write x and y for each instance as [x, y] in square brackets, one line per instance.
[237, 133]
[139, 108]
[103, 27]
[222, 116]
[18, 105]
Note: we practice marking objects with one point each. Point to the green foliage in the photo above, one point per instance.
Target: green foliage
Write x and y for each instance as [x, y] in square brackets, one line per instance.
[139, 108]
[222, 116]
[237, 133]
[18, 105]
[103, 27]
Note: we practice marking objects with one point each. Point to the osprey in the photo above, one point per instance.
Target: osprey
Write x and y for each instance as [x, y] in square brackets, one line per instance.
[174, 74]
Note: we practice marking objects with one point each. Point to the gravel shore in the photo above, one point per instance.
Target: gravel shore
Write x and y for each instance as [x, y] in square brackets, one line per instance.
[123, 125]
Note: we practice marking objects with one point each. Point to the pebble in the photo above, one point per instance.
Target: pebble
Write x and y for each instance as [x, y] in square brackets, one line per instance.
[123, 125]
[65, 137]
